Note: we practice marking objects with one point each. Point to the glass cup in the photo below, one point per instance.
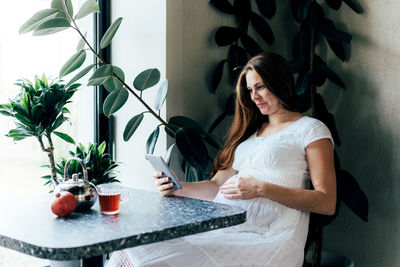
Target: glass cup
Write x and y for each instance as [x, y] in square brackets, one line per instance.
[111, 196]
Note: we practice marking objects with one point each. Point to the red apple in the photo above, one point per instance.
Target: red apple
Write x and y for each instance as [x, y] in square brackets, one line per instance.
[63, 203]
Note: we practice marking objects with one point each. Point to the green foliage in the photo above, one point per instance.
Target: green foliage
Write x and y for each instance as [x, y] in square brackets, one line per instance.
[100, 166]
[115, 101]
[39, 108]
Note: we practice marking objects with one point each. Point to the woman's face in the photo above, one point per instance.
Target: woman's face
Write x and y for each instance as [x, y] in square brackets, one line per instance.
[266, 102]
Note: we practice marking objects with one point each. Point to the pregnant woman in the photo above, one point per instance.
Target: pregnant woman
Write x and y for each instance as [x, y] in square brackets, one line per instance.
[271, 154]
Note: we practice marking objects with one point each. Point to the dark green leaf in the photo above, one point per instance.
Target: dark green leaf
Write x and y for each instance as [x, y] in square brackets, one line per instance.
[355, 7]
[332, 76]
[262, 27]
[350, 192]
[242, 12]
[250, 45]
[213, 140]
[237, 57]
[182, 121]
[217, 75]
[146, 79]
[90, 6]
[109, 35]
[266, 7]
[226, 35]
[79, 75]
[223, 5]
[113, 83]
[132, 125]
[51, 26]
[60, 120]
[161, 95]
[308, 81]
[191, 145]
[115, 101]
[73, 63]
[152, 141]
[334, 4]
[101, 75]
[65, 137]
[300, 9]
[37, 19]
[300, 65]
[335, 35]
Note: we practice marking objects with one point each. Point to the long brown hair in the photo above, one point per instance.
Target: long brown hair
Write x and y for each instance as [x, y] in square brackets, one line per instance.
[275, 72]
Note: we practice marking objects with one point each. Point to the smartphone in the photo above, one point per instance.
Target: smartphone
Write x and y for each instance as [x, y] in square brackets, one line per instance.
[159, 164]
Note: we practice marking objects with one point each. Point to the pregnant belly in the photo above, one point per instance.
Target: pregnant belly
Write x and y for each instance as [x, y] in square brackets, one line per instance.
[260, 211]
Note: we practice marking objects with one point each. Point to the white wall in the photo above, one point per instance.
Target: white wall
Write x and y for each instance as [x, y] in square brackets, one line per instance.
[138, 45]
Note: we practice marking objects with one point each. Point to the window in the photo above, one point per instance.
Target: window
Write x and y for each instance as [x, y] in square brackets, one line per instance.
[24, 56]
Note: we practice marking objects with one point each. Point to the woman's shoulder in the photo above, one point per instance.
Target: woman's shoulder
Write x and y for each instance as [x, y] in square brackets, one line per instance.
[311, 129]
[307, 122]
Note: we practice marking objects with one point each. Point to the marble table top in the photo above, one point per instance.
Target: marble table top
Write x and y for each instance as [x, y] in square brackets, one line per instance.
[28, 225]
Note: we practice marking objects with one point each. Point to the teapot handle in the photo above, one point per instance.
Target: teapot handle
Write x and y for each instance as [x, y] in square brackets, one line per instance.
[84, 170]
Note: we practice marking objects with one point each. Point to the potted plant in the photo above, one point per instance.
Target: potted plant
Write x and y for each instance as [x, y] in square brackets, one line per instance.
[39, 110]
[99, 165]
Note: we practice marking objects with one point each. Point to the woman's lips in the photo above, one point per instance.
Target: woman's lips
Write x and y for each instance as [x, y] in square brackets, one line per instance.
[261, 104]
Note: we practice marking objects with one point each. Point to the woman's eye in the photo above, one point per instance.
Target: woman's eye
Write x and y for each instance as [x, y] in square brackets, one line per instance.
[260, 87]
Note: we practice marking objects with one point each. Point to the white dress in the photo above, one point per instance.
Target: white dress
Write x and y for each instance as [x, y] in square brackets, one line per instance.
[274, 234]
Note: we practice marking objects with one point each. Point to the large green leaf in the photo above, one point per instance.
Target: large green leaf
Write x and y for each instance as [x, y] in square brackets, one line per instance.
[37, 19]
[109, 35]
[146, 79]
[79, 75]
[226, 35]
[213, 140]
[224, 6]
[192, 147]
[73, 63]
[132, 125]
[101, 75]
[217, 75]
[115, 101]
[262, 27]
[65, 137]
[266, 7]
[161, 95]
[58, 4]
[81, 44]
[87, 8]
[152, 141]
[52, 26]
[182, 121]
[113, 83]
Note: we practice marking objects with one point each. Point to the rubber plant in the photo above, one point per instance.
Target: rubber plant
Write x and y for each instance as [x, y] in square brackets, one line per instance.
[241, 44]
[39, 109]
[189, 137]
[310, 71]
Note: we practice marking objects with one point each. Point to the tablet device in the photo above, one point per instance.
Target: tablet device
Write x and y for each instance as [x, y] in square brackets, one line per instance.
[159, 164]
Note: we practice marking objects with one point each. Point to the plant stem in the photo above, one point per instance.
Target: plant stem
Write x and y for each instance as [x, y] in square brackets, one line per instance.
[50, 154]
[115, 75]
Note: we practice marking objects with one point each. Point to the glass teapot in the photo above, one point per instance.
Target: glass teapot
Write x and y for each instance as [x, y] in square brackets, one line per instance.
[84, 191]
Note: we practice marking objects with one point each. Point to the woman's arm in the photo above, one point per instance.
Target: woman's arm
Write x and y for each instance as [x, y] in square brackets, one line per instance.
[322, 199]
[205, 190]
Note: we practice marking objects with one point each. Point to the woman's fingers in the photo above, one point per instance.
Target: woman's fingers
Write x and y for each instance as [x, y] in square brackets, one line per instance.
[161, 181]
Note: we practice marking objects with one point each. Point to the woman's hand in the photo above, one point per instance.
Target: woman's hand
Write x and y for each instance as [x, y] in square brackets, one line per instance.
[163, 184]
[241, 187]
